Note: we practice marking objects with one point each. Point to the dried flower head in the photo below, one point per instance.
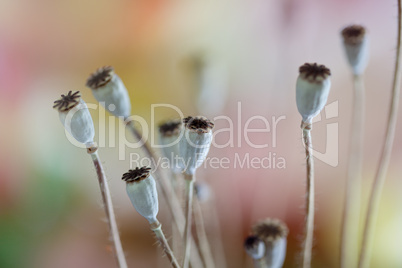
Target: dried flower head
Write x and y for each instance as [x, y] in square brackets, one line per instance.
[75, 117]
[141, 189]
[194, 143]
[198, 124]
[270, 229]
[109, 91]
[353, 34]
[356, 46]
[67, 102]
[100, 77]
[136, 175]
[314, 72]
[312, 89]
[254, 247]
[170, 128]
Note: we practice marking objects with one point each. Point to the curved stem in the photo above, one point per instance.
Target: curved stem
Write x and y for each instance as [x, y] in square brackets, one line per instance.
[156, 227]
[377, 186]
[308, 242]
[189, 210]
[351, 209]
[107, 203]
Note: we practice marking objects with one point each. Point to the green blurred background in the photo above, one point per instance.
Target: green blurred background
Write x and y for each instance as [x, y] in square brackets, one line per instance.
[50, 209]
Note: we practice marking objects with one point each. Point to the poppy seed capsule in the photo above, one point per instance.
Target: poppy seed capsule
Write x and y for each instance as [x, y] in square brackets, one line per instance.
[312, 89]
[141, 189]
[356, 46]
[274, 234]
[195, 143]
[170, 132]
[109, 91]
[254, 247]
[75, 117]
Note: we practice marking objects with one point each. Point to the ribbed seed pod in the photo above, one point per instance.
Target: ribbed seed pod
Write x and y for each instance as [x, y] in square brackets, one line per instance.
[109, 90]
[195, 142]
[141, 189]
[75, 117]
[312, 89]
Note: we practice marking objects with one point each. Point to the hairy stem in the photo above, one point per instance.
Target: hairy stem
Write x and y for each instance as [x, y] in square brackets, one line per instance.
[156, 227]
[205, 248]
[309, 231]
[189, 210]
[351, 209]
[378, 184]
[107, 203]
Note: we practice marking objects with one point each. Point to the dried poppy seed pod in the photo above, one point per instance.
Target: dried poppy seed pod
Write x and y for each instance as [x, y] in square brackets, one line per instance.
[170, 132]
[312, 89]
[195, 142]
[254, 247]
[274, 233]
[109, 90]
[356, 46]
[75, 117]
[141, 189]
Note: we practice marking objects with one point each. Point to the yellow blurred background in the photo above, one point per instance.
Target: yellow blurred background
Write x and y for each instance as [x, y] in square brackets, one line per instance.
[50, 209]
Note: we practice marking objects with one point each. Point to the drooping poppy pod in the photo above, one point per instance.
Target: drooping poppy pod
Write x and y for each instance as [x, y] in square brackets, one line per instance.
[109, 90]
[356, 46]
[274, 234]
[195, 142]
[141, 189]
[170, 132]
[75, 117]
[312, 89]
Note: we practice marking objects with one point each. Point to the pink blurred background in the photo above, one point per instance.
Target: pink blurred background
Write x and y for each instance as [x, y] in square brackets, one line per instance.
[50, 209]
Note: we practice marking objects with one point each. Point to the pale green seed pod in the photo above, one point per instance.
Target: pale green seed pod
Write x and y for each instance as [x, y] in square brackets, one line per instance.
[109, 90]
[195, 143]
[141, 189]
[274, 234]
[170, 133]
[356, 46]
[75, 117]
[312, 89]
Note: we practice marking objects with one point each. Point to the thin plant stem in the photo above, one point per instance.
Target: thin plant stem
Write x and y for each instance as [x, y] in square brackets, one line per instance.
[156, 227]
[189, 211]
[205, 248]
[170, 197]
[108, 206]
[351, 209]
[309, 231]
[217, 241]
[376, 190]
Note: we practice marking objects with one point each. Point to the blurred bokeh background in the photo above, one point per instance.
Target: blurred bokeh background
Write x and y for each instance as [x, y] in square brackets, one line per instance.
[50, 209]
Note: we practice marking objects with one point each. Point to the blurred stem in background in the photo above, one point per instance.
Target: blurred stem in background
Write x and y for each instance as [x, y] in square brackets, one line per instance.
[376, 190]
